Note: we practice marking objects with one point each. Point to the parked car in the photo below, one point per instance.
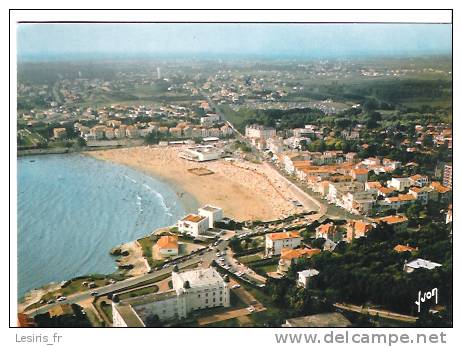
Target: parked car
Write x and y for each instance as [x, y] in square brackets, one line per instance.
[250, 308]
[61, 298]
[94, 293]
[236, 286]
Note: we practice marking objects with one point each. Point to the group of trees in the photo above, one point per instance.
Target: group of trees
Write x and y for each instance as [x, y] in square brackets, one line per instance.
[369, 271]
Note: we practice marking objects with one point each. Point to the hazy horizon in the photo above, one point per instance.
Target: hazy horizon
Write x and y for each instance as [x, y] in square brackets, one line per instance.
[64, 42]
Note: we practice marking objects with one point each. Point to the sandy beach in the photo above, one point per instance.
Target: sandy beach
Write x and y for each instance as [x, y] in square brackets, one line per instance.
[244, 190]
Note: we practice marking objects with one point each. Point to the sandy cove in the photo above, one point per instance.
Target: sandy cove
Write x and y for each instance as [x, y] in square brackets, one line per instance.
[244, 190]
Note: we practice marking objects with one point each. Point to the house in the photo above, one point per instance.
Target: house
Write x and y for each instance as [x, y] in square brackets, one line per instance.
[168, 246]
[328, 231]
[59, 133]
[214, 214]
[397, 221]
[329, 245]
[193, 225]
[444, 193]
[359, 174]
[275, 242]
[419, 180]
[289, 256]
[370, 162]
[419, 264]
[372, 186]
[356, 229]
[385, 191]
[392, 164]
[305, 277]
[399, 183]
[132, 132]
[396, 202]
[322, 320]
[351, 157]
[405, 248]
[420, 194]
[192, 290]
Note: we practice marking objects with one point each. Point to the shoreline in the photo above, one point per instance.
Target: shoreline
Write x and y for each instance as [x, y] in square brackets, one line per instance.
[244, 190]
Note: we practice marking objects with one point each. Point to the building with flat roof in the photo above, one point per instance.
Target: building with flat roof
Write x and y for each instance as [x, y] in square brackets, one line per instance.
[201, 153]
[323, 320]
[213, 213]
[193, 224]
[192, 290]
[259, 131]
[305, 276]
[419, 264]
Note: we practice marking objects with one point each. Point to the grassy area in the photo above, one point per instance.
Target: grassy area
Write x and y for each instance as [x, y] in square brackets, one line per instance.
[249, 258]
[139, 292]
[262, 270]
[77, 286]
[74, 286]
[107, 309]
[146, 244]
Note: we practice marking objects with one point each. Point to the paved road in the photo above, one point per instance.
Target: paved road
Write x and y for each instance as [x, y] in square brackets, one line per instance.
[121, 285]
[380, 313]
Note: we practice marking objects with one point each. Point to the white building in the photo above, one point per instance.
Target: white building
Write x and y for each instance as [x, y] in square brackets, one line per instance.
[275, 242]
[399, 184]
[201, 153]
[210, 119]
[304, 277]
[214, 214]
[259, 131]
[420, 264]
[192, 290]
[193, 225]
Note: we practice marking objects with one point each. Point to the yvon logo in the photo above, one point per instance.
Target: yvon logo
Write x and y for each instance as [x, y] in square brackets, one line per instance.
[426, 296]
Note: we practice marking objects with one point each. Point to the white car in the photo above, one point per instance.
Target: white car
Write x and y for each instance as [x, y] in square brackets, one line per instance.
[217, 254]
[250, 308]
[61, 298]
[236, 286]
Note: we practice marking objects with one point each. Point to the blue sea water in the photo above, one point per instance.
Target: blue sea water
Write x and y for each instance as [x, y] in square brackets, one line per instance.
[73, 209]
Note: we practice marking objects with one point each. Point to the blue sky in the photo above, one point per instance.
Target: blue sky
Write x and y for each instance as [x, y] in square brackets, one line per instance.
[42, 41]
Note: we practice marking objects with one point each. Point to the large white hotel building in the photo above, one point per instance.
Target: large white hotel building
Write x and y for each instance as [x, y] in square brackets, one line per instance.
[192, 290]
